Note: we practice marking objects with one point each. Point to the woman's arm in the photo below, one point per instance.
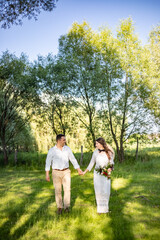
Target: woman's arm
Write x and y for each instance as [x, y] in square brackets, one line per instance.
[85, 171]
[91, 164]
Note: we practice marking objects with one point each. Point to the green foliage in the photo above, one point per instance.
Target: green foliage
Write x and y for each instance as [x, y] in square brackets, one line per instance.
[152, 66]
[82, 64]
[27, 160]
[124, 85]
[99, 84]
[13, 12]
[17, 95]
[36, 160]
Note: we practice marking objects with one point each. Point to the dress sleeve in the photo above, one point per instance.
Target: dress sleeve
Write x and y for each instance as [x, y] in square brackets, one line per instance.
[92, 162]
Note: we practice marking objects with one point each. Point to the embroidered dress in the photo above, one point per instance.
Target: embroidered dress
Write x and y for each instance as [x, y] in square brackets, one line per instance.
[102, 185]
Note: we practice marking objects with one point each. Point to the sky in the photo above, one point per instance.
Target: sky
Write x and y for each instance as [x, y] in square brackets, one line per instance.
[41, 37]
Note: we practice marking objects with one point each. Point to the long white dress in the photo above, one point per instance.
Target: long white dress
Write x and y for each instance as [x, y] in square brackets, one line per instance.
[102, 184]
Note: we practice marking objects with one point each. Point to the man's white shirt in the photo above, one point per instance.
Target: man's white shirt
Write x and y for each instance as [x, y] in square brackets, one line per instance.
[59, 159]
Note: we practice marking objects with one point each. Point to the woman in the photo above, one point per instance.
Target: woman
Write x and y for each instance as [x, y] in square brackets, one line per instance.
[102, 156]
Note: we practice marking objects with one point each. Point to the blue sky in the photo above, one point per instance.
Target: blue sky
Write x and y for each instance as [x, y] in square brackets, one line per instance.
[41, 37]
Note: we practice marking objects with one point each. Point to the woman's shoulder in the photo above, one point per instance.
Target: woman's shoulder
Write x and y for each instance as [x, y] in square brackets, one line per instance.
[95, 152]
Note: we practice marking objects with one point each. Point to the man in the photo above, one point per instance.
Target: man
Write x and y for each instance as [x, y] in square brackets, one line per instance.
[58, 157]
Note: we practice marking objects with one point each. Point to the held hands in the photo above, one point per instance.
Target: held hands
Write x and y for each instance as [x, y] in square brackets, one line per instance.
[80, 172]
[85, 172]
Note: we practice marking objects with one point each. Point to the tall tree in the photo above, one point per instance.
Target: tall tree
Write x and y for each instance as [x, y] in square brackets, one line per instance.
[13, 11]
[82, 66]
[151, 72]
[123, 105]
[57, 107]
[17, 95]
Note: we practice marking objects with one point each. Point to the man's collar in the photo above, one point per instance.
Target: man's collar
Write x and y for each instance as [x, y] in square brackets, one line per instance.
[59, 148]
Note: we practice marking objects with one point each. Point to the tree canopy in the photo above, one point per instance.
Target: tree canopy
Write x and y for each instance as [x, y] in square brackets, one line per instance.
[18, 94]
[13, 11]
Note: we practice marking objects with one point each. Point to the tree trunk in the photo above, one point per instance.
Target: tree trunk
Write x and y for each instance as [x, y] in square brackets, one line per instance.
[5, 155]
[118, 148]
[93, 138]
[121, 159]
[121, 153]
[52, 121]
[60, 115]
[15, 156]
[90, 112]
[91, 128]
[137, 150]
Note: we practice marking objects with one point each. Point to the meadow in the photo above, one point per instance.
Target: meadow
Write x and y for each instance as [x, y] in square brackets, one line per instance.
[28, 209]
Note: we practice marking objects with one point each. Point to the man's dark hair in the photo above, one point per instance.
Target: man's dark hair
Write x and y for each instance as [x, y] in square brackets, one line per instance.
[58, 137]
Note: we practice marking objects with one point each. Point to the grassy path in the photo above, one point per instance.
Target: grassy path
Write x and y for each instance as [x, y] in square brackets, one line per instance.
[28, 209]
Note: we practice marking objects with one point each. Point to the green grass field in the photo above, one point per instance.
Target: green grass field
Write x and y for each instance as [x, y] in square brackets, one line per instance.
[28, 209]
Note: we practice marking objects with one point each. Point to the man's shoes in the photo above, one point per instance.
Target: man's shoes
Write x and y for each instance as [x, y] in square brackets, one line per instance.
[67, 210]
[59, 211]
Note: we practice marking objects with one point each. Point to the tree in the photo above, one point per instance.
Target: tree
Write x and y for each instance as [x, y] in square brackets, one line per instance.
[151, 72]
[61, 115]
[154, 46]
[82, 66]
[13, 11]
[57, 108]
[123, 84]
[110, 74]
[17, 95]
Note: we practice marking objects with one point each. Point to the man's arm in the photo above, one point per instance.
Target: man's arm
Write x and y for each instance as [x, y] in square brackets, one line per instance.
[48, 164]
[47, 176]
[74, 162]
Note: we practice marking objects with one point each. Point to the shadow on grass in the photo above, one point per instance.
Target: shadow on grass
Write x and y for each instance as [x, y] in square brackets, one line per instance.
[122, 222]
[82, 233]
[144, 200]
[82, 198]
[15, 211]
[121, 225]
[82, 189]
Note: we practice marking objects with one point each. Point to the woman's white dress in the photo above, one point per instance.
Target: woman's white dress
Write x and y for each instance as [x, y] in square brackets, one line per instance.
[102, 184]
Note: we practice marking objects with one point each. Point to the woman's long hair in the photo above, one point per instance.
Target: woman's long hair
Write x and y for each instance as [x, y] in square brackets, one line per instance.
[107, 149]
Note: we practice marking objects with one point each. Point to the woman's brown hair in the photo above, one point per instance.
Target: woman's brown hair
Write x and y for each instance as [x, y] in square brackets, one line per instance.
[106, 148]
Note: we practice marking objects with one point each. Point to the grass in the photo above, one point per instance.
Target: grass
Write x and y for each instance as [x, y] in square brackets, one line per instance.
[28, 209]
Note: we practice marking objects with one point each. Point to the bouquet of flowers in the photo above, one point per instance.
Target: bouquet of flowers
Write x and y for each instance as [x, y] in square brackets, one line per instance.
[106, 170]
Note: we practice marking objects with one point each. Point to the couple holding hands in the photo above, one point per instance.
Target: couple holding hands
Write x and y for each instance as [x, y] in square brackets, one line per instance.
[59, 156]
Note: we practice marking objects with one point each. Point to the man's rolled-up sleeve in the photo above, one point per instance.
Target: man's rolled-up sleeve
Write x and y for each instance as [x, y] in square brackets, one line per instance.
[48, 160]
